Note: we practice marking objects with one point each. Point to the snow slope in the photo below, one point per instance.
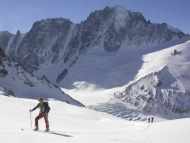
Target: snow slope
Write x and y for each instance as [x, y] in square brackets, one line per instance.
[178, 64]
[21, 84]
[83, 125]
[132, 101]
[109, 70]
[161, 86]
[15, 81]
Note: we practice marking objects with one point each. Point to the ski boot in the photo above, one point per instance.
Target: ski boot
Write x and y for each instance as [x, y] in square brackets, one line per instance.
[47, 130]
[36, 129]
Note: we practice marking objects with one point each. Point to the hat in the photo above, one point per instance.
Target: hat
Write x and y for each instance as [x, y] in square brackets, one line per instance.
[40, 99]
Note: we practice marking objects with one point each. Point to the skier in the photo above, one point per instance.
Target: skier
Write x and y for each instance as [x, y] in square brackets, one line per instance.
[152, 119]
[148, 119]
[44, 110]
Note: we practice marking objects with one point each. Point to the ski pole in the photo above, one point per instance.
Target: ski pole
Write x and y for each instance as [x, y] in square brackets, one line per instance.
[30, 120]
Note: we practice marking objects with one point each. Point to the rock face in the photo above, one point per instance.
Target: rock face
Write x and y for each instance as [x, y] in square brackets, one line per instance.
[158, 93]
[5, 37]
[53, 46]
[43, 43]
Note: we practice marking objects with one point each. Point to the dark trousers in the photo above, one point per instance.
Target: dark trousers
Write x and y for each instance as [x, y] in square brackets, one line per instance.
[42, 115]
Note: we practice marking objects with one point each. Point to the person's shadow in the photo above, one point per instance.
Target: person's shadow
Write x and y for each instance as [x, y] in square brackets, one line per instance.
[59, 134]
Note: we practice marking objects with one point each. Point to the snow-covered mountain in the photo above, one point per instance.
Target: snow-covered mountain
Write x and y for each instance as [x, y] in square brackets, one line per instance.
[164, 89]
[159, 94]
[115, 61]
[107, 50]
[15, 81]
[161, 87]
[101, 45]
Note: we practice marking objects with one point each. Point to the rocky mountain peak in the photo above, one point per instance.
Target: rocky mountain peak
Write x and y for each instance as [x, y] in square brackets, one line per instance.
[47, 24]
[5, 36]
[58, 43]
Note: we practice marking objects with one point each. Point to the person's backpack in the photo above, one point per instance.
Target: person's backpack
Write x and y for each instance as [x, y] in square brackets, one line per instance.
[46, 107]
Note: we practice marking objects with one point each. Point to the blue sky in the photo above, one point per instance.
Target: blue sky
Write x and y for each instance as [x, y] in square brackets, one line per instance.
[20, 14]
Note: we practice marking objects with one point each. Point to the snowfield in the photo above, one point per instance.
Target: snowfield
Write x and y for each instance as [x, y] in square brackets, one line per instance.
[155, 61]
[159, 88]
[80, 125]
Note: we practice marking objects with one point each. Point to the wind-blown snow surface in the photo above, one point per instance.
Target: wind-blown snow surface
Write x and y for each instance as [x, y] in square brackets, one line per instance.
[83, 125]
